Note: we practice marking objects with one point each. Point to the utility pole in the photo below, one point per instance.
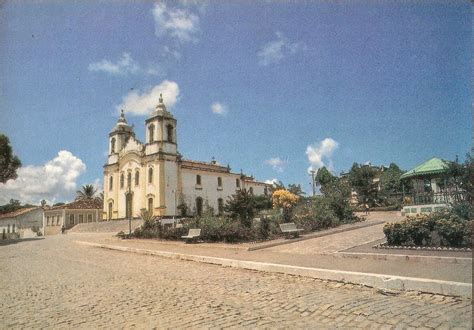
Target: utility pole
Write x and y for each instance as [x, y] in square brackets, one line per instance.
[313, 184]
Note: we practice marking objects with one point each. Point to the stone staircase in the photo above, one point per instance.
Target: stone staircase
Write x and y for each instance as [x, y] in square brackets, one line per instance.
[113, 226]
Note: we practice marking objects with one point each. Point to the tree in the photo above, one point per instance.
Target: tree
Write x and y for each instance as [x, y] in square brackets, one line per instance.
[9, 163]
[390, 180]
[88, 191]
[361, 178]
[10, 207]
[296, 189]
[241, 205]
[323, 178]
[286, 201]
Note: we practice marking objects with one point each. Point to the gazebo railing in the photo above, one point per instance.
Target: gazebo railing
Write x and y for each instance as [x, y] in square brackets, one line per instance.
[436, 198]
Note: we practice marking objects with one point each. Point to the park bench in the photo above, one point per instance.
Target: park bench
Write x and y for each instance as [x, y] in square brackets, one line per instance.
[290, 229]
[192, 235]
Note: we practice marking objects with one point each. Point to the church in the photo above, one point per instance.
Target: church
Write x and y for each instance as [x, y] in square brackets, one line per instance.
[154, 175]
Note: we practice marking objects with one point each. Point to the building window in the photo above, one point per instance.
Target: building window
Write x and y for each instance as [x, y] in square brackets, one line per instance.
[112, 146]
[57, 220]
[150, 175]
[237, 183]
[199, 206]
[150, 205]
[110, 211]
[265, 191]
[220, 206]
[251, 191]
[47, 220]
[81, 218]
[129, 179]
[137, 178]
[89, 218]
[8, 228]
[219, 182]
[71, 219]
[13, 228]
[169, 130]
[151, 132]
[198, 179]
[122, 180]
[111, 183]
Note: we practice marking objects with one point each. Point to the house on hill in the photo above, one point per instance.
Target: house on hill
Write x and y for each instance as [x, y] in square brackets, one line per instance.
[71, 214]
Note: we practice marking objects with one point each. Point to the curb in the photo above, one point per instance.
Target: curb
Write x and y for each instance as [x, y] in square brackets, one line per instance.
[405, 257]
[389, 282]
[315, 235]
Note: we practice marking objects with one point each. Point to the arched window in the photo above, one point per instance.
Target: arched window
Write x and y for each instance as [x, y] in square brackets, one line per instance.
[121, 180]
[220, 206]
[251, 191]
[237, 183]
[169, 130]
[150, 205]
[129, 179]
[198, 179]
[150, 175]
[199, 206]
[110, 210]
[151, 132]
[219, 182]
[111, 183]
[137, 178]
[112, 146]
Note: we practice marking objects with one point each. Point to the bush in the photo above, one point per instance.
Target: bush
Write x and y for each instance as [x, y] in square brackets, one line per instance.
[443, 228]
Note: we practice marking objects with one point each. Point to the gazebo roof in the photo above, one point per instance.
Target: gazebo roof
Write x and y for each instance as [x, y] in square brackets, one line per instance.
[432, 166]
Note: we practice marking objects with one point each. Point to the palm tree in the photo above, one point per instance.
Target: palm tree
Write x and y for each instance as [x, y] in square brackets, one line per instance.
[88, 191]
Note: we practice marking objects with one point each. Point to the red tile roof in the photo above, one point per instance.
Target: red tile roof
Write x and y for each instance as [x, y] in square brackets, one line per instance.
[18, 212]
[89, 203]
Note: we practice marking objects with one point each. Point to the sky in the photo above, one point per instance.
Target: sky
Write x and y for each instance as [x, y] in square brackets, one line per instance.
[272, 88]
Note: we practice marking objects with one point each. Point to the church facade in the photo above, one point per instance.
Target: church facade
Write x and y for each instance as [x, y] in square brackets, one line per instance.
[154, 176]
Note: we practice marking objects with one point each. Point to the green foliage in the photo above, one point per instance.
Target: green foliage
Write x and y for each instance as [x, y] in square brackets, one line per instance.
[443, 228]
[262, 202]
[183, 207]
[323, 177]
[87, 191]
[241, 206]
[390, 179]
[58, 204]
[264, 228]
[296, 189]
[9, 163]
[12, 206]
[361, 178]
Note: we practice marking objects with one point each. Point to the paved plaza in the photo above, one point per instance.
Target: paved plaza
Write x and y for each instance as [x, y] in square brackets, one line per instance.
[55, 283]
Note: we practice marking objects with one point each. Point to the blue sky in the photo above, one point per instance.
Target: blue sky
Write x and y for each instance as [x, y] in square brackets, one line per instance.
[269, 87]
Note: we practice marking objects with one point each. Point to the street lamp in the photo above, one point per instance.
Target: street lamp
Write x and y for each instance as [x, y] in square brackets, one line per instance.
[128, 199]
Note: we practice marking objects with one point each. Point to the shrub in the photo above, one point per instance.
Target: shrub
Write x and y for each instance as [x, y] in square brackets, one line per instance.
[286, 201]
[264, 227]
[444, 228]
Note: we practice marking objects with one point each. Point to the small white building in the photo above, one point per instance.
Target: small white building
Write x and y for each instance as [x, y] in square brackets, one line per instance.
[71, 214]
[154, 175]
[21, 219]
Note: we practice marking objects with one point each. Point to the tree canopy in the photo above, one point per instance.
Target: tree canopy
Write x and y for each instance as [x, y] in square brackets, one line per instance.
[88, 191]
[9, 163]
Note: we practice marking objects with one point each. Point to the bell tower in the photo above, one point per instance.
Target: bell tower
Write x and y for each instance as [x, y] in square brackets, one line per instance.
[119, 137]
[160, 130]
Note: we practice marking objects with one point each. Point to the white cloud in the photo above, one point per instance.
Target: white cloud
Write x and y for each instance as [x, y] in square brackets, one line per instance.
[219, 108]
[320, 154]
[124, 65]
[54, 181]
[145, 103]
[274, 51]
[179, 23]
[276, 163]
[271, 181]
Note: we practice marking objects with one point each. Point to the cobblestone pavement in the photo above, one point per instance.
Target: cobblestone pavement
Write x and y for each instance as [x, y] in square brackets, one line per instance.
[54, 283]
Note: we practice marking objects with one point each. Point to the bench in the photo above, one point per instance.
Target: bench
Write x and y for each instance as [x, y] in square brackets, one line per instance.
[192, 235]
[290, 229]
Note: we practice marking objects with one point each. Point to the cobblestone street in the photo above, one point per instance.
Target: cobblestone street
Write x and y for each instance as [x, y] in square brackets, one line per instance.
[56, 283]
